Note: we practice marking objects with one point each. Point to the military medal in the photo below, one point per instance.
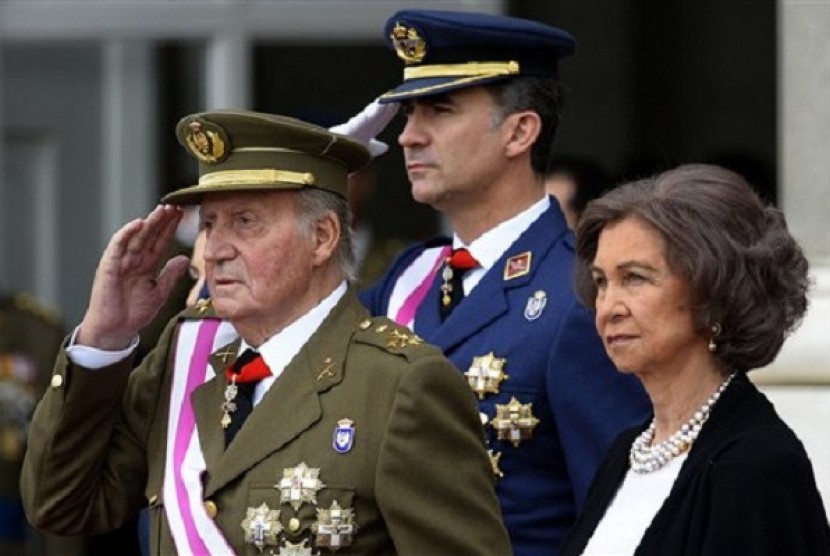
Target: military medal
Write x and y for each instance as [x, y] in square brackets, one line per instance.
[515, 421]
[446, 287]
[299, 549]
[485, 374]
[299, 485]
[228, 406]
[335, 527]
[250, 367]
[343, 438]
[262, 526]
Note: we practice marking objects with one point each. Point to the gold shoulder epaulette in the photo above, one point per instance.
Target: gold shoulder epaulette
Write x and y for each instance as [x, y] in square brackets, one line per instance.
[386, 334]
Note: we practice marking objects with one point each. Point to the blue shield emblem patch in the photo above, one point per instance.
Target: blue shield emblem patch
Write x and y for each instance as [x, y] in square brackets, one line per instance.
[343, 438]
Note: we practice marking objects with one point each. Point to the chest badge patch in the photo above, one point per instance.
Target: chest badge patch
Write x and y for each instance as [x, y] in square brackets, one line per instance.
[535, 305]
[343, 438]
[262, 526]
[514, 421]
[299, 485]
[517, 265]
[335, 526]
[485, 374]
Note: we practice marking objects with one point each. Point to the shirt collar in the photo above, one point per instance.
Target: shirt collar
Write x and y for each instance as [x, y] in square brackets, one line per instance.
[491, 245]
[280, 349]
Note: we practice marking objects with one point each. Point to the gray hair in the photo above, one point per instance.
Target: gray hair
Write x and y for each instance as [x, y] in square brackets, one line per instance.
[312, 206]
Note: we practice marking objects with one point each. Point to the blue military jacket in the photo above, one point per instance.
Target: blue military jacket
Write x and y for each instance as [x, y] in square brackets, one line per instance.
[524, 316]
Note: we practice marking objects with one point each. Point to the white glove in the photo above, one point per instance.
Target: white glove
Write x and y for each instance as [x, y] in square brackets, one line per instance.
[364, 126]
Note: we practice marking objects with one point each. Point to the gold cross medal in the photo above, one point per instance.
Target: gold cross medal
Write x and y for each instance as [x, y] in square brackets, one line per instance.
[299, 485]
[262, 526]
[485, 374]
[514, 421]
[228, 406]
[335, 527]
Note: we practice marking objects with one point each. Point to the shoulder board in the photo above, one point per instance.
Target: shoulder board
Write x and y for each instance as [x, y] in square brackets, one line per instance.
[387, 335]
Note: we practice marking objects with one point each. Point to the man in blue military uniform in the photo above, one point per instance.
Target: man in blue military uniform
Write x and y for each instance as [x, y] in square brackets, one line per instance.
[482, 103]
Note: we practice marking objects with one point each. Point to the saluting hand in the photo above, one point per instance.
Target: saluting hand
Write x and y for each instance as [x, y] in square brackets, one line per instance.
[129, 290]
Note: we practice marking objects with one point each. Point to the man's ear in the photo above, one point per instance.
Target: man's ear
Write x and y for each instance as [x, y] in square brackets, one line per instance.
[326, 237]
[523, 129]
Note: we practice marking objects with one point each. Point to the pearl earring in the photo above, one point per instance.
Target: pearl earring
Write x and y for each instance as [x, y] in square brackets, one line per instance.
[716, 330]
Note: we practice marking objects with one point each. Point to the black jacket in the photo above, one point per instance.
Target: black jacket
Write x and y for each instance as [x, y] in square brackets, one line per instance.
[747, 487]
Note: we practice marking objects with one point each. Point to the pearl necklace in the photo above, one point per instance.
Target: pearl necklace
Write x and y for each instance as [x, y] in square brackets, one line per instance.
[645, 458]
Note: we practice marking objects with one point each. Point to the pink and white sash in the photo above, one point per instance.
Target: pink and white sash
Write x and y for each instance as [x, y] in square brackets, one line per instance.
[193, 531]
[413, 284]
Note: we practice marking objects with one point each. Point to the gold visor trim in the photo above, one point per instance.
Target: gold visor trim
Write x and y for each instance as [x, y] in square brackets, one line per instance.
[255, 177]
[470, 69]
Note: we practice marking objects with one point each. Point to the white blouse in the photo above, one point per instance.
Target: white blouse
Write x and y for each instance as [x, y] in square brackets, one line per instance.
[633, 509]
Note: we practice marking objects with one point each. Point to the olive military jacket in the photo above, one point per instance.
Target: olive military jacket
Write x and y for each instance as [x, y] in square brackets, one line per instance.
[417, 475]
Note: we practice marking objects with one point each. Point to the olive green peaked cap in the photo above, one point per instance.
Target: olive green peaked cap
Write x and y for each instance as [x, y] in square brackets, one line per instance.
[248, 151]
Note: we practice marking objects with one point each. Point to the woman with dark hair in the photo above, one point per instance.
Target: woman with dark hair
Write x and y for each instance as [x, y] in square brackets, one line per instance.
[695, 283]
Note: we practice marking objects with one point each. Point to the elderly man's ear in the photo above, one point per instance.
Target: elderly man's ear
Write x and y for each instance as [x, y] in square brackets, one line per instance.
[326, 238]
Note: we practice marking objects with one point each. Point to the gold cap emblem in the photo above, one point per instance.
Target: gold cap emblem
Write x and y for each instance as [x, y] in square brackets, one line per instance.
[206, 141]
[409, 45]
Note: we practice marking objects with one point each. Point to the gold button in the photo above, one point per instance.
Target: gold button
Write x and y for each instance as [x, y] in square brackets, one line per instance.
[293, 524]
[153, 499]
[211, 509]
[57, 381]
[365, 324]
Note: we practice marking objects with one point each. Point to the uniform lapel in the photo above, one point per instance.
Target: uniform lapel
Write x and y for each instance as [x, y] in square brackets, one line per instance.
[207, 404]
[489, 300]
[290, 406]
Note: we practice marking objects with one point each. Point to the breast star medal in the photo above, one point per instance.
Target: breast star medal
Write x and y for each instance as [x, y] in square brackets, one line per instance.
[299, 485]
[514, 421]
[262, 526]
[485, 374]
[335, 527]
[299, 549]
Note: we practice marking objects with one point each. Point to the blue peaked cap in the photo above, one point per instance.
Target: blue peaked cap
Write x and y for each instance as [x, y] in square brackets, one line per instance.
[446, 50]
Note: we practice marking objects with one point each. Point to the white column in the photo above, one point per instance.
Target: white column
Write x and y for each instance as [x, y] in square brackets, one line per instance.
[228, 71]
[129, 119]
[804, 124]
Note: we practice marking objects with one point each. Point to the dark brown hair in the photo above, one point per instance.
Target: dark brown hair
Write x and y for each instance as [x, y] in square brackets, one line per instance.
[744, 269]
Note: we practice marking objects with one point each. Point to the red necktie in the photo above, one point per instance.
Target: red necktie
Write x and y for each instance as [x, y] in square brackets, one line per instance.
[242, 376]
[452, 291]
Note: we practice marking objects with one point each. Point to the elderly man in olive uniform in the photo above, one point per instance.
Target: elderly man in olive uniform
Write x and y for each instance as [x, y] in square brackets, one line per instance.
[320, 429]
